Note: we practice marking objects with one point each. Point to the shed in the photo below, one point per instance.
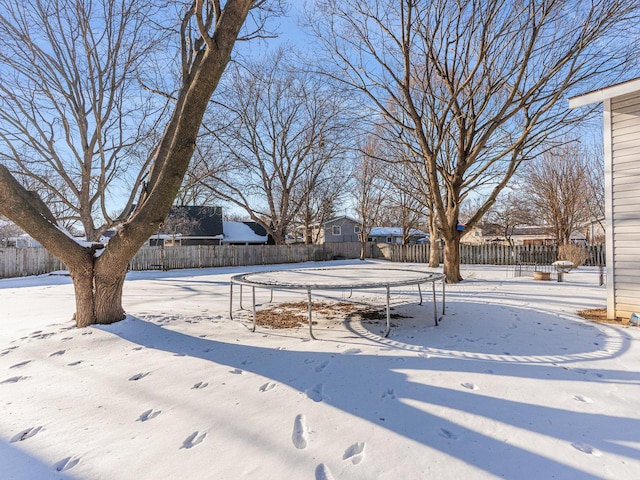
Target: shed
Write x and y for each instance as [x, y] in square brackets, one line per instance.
[622, 191]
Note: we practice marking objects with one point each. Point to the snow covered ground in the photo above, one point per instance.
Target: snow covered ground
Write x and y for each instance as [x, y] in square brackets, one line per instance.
[512, 384]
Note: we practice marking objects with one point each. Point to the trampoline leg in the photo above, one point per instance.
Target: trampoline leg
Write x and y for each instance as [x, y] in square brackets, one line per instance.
[253, 297]
[310, 314]
[420, 292]
[386, 334]
[435, 305]
[443, 297]
[231, 301]
[271, 298]
[241, 308]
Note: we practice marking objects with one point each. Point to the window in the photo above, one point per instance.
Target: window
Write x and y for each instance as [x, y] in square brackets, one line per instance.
[356, 229]
[336, 230]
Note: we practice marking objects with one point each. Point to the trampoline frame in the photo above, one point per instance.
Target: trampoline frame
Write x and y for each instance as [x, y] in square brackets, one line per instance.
[423, 277]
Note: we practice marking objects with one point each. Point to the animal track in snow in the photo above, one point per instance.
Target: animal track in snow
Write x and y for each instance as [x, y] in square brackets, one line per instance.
[199, 386]
[355, 453]
[300, 435]
[148, 415]
[193, 440]
[267, 386]
[58, 353]
[21, 364]
[78, 362]
[390, 393]
[66, 463]
[315, 392]
[14, 379]
[323, 472]
[237, 371]
[24, 434]
[470, 386]
[585, 448]
[138, 376]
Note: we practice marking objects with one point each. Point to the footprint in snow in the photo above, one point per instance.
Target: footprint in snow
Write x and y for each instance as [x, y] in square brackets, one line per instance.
[315, 392]
[424, 355]
[237, 371]
[14, 379]
[58, 353]
[199, 386]
[322, 366]
[148, 415]
[138, 376]
[585, 448]
[444, 433]
[21, 364]
[73, 364]
[470, 386]
[24, 434]
[267, 386]
[193, 440]
[581, 398]
[355, 453]
[352, 351]
[300, 435]
[66, 464]
[7, 350]
[323, 472]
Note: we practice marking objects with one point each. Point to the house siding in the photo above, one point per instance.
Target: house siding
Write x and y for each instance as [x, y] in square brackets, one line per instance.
[624, 126]
[347, 227]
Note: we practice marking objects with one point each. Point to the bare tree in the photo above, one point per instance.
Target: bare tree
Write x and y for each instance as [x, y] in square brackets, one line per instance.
[477, 85]
[557, 185]
[511, 210]
[281, 135]
[368, 190]
[71, 109]
[8, 229]
[596, 193]
[208, 32]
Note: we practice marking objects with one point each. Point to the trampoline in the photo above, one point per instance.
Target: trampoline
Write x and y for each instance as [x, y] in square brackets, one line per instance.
[345, 277]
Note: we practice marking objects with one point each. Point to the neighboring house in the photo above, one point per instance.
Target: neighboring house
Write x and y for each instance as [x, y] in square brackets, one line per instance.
[191, 225]
[622, 195]
[340, 229]
[525, 235]
[593, 231]
[482, 233]
[243, 233]
[393, 235]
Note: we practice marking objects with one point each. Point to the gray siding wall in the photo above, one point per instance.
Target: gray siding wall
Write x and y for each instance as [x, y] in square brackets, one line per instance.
[625, 194]
[347, 227]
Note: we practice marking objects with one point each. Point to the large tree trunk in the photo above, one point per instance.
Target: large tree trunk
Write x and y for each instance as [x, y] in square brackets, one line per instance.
[452, 259]
[98, 297]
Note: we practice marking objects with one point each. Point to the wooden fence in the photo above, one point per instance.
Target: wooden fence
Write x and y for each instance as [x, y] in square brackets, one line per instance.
[491, 254]
[17, 262]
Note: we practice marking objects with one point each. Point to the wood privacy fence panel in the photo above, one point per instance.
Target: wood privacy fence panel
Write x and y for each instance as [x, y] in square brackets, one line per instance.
[17, 262]
[491, 254]
[20, 262]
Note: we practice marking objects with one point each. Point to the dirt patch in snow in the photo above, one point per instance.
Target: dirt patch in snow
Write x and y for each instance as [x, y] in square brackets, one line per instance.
[600, 315]
[295, 314]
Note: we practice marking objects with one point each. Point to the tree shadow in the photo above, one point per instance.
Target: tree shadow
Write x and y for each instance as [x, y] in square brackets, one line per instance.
[391, 399]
